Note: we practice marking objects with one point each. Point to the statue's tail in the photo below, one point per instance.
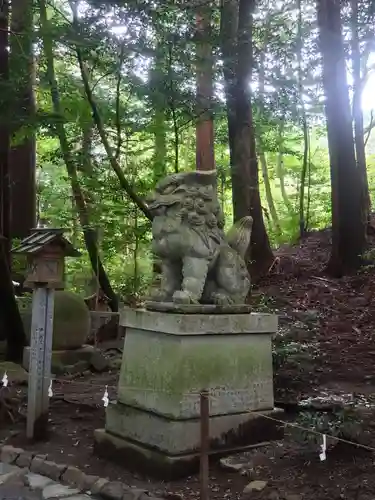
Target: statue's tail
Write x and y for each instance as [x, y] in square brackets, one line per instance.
[239, 235]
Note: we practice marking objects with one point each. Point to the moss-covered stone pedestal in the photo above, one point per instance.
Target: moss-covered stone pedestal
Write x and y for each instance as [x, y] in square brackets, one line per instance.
[168, 358]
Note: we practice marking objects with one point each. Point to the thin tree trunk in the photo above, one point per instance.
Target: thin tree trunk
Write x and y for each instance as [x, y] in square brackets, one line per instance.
[160, 143]
[308, 190]
[187, 145]
[302, 221]
[229, 45]
[302, 218]
[280, 169]
[176, 140]
[159, 126]
[87, 137]
[89, 234]
[348, 228]
[359, 136]
[9, 312]
[23, 153]
[118, 102]
[172, 106]
[114, 163]
[74, 223]
[262, 155]
[160, 138]
[85, 166]
[267, 187]
[205, 159]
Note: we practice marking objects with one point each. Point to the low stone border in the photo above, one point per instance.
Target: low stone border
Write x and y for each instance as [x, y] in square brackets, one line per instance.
[72, 476]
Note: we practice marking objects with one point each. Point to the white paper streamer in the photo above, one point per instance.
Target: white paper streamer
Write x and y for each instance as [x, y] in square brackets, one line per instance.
[105, 398]
[5, 380]
[50, 392]
[323, 449]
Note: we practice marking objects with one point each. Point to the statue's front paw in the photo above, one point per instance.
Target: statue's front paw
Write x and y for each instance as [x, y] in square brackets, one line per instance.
[158, 296]
[221, 299]
[183, 297]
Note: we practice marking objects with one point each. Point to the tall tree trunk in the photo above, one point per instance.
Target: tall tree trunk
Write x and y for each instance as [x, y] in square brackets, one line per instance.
[348, 228]
[302, 218]
[359, 135]
[229, 47]
[4, 132]
[172, 107]
[22, 153]
[89, 233]
[160, 144]
[236, 39]
[205, 159]
[9, 312]
[86, 168]
[159, 125]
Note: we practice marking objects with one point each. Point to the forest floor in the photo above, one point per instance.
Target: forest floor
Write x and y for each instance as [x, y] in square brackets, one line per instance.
[325, 359]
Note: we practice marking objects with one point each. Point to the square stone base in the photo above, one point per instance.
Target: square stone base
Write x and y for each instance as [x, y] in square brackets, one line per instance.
[169, 358]
[168, 448]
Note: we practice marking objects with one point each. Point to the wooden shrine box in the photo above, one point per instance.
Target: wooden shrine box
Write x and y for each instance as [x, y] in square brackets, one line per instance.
[45, 250]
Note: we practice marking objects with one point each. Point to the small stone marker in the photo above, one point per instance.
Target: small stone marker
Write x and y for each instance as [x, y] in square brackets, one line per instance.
[46, 250]
[255, 486]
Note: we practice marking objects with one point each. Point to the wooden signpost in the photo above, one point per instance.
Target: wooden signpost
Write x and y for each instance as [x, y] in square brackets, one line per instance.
[46, 250]
[40, 362]
[205, 443]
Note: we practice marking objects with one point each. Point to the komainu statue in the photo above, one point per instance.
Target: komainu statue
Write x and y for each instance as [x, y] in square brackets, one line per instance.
[199, 264]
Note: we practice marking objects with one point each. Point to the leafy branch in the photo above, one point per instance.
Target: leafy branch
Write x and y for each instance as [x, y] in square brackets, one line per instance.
[100, 126]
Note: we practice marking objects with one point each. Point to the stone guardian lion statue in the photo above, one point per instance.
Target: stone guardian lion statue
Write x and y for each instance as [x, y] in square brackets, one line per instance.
[199, 264]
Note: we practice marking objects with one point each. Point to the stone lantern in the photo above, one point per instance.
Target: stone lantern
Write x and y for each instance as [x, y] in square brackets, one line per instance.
[45, 250]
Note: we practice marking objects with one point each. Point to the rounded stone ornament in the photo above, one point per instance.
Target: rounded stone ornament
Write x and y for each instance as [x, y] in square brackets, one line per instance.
[71, 321]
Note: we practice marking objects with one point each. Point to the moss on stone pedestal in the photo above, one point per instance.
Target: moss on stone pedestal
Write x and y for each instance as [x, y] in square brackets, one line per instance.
[71, 321]
[169, 370]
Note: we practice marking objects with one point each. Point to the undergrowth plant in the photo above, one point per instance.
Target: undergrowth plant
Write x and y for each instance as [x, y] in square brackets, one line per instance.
[344, 423]
[282, 350]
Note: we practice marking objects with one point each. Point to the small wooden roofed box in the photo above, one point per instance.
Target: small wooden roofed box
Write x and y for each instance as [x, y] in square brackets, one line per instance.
[45, 250]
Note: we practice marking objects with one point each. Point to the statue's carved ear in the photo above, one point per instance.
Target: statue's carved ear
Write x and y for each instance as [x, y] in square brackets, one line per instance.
[150, 198]
[170, 189]
[165, 186]
[179, 189]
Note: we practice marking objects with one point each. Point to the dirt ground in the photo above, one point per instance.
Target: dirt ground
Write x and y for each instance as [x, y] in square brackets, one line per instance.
[327, 332]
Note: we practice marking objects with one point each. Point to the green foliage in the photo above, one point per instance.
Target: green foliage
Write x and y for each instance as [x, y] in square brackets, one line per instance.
[282, 350]
[342, 423]
[140, 64]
